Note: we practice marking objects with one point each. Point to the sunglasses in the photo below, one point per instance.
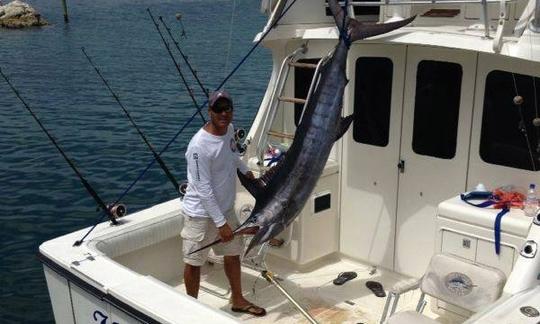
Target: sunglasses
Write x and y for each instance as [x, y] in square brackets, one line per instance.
[218, 109]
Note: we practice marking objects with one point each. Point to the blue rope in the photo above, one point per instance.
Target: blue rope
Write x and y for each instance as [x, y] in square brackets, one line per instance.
[489, 202]
[497, 229]
[192, 117]
[342, 32]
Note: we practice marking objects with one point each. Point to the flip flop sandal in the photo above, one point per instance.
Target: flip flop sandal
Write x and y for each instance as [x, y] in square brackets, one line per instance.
[250, 309]
[344, 277]
[376, 288]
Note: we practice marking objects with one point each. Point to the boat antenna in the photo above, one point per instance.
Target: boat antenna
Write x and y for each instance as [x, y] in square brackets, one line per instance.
[264, 34]
[87, 186]
[185, 58]
[179, 18]
[189, 90]
[126, 112]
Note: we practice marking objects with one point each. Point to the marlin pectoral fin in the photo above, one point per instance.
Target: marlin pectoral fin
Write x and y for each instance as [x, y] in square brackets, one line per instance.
[254, 186]
[344, 125]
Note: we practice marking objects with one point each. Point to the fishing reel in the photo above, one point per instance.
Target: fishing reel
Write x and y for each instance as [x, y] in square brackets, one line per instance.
[239, 135]
[182, 188]
[117, 210]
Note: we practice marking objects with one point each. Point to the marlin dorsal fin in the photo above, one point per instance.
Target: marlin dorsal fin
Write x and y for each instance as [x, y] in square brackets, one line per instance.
[254, 186]
[269, 174]
[343, 126]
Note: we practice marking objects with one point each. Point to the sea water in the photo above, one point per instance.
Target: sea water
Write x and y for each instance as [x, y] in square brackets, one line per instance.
[41, 198]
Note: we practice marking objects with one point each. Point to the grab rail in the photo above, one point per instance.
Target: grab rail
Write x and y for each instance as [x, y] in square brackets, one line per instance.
[413, 2]
[272, 105]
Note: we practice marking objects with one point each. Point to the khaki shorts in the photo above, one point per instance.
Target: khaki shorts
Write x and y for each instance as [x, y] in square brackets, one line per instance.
[200, 231]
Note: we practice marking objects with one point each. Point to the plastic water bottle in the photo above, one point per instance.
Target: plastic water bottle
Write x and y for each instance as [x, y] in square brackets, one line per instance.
[530, 206]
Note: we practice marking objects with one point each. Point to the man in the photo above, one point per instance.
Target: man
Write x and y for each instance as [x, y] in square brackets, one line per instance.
[212, 162]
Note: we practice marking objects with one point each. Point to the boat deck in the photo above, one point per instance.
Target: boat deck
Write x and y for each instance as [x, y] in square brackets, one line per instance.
[352, 302]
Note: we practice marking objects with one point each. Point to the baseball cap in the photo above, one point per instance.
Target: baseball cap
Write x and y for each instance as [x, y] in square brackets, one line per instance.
[220, 94]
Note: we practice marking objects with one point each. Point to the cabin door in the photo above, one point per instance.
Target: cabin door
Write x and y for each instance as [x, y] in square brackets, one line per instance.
[437, 113]
[371, 151]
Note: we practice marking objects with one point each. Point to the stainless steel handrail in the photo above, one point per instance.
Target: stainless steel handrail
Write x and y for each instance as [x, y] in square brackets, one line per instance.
[314, 82]
[434, 2]
[270, 112]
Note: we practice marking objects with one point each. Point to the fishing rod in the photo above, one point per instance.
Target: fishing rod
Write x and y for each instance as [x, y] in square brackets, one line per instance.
[239, 133]
[193, 72]
[189, 90]
[112, 211]
[141, 174]
[126, 112]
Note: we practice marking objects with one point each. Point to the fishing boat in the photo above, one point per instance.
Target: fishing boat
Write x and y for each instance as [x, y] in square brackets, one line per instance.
[445, 106]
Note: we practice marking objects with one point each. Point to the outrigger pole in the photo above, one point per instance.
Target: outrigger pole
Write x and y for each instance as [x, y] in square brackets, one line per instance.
[189, 90]
[126, 112]
[85, 183]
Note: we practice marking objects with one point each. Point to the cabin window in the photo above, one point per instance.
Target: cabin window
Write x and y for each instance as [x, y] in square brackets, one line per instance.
[361, 10]
[372, 99]
[302, 81]
[509, 136]
[436, 109]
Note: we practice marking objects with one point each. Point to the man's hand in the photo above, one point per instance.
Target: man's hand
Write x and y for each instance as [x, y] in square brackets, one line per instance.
[225, 233]
[249, 175]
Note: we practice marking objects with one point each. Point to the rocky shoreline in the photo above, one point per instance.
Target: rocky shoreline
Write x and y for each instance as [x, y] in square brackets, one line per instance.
[18, 14]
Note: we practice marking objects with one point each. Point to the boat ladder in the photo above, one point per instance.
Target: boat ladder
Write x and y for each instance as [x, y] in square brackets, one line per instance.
[277, 98]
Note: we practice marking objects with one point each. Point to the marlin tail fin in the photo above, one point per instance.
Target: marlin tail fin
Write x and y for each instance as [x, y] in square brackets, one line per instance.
[357, 30]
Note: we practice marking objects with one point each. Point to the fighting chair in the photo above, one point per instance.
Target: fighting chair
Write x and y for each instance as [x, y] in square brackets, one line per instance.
[450, 279]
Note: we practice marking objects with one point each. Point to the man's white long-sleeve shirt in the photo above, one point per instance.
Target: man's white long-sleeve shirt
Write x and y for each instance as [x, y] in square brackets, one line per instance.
[211, 170]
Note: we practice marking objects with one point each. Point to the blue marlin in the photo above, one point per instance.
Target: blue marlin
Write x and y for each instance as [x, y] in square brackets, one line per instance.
[282, 192]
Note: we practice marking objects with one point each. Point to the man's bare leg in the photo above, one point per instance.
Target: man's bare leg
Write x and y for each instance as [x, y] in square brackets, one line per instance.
[192, 279]
[233, 272]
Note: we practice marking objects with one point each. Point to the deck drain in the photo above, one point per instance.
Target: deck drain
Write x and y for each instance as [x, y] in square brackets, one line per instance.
[350, 302]
[529, 311]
